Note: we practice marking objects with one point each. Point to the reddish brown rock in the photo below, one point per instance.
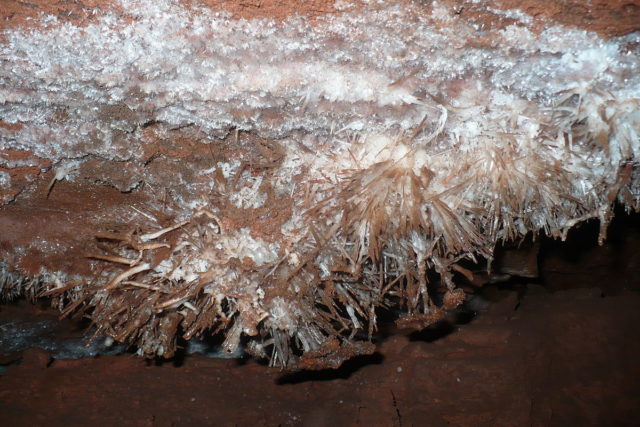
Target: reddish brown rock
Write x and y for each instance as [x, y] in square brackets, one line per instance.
[570, 359]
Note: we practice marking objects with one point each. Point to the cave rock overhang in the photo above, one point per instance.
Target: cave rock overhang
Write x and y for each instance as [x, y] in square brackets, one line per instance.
[349, 155]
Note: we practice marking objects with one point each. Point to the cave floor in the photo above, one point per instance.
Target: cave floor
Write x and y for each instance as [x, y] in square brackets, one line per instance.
[531, 358]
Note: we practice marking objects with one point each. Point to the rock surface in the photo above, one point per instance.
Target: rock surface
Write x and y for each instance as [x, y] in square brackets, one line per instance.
[556, 359]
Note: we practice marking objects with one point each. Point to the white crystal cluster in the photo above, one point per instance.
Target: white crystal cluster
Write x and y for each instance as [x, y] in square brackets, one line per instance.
[410, 137]
[188, 66]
